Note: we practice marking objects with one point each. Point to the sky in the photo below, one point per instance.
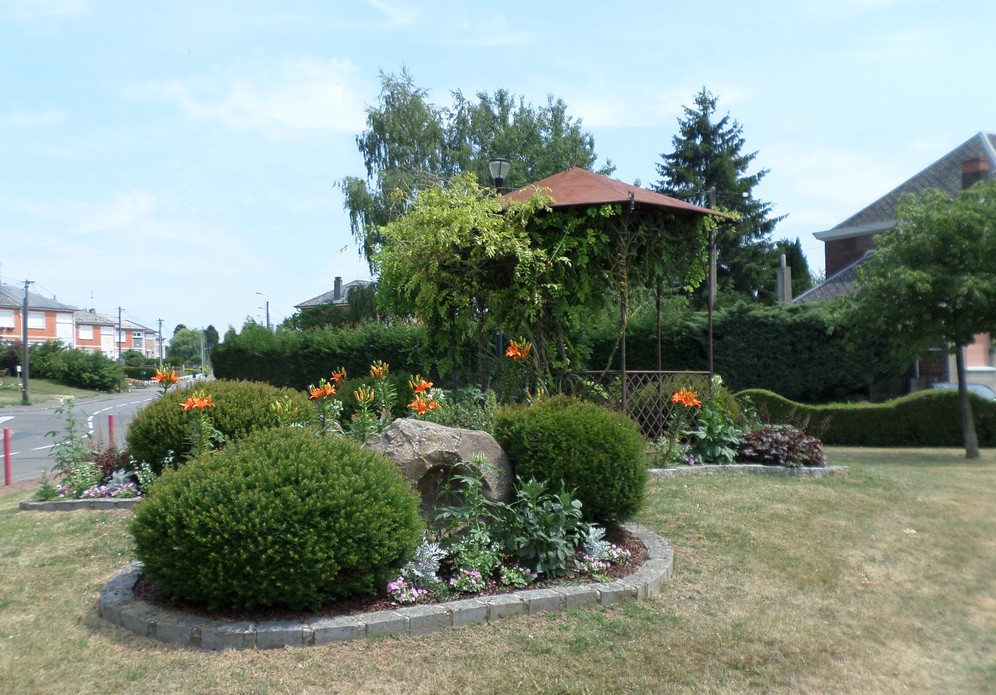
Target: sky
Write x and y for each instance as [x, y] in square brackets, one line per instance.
[180, 160]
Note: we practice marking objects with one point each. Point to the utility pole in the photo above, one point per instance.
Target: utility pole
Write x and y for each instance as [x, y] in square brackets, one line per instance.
[120, 336]
[24, 345]
[160, 343]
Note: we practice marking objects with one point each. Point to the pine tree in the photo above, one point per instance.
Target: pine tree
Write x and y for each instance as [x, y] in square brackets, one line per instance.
[708, 166]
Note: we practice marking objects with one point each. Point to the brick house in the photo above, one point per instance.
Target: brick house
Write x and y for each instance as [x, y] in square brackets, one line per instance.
[99, 333]
[847, 245]
[48, 319]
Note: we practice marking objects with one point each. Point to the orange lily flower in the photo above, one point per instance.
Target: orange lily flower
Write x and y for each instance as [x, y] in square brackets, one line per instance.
[419, 385]
[165, 377]
[518, 350]
[339, 376]
[378, 370]
[686, 397]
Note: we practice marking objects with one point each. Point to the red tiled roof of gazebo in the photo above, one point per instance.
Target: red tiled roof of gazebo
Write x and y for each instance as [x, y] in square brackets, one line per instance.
[576, 186]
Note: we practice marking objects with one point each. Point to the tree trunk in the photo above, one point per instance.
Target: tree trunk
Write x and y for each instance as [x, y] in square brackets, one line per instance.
[965, 407]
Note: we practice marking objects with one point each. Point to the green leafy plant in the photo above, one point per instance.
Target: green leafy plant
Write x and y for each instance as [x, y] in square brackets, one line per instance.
[715, 435]
[542, 529]
[781, 445]
[466, 525]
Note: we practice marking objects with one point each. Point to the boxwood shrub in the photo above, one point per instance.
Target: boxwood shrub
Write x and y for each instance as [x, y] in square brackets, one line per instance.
[241, 407]
[926, 418]
[592, 451]
[283, 518]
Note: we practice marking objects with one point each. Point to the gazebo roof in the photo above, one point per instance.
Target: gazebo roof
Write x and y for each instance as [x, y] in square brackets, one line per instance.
[579, 187]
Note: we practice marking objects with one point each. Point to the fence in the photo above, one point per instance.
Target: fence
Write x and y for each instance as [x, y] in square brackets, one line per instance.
[644, 395]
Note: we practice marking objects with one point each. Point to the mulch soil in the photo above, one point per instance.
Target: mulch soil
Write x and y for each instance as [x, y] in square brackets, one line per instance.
[147, 591]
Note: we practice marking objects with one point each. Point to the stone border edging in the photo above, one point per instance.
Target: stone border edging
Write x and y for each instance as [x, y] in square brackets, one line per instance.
[751, 469]
[74, 504]
[119, 605]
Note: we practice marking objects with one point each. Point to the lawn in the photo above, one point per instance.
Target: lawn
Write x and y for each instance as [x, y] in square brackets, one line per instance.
[878, 582]
[39, 391]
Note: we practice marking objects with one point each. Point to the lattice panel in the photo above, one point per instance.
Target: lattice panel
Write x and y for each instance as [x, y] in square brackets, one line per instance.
[648, 394]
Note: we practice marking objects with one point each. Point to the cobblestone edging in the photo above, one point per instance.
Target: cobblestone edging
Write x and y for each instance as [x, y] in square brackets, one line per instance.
[119, 605]
[751, 469]
[74, 504]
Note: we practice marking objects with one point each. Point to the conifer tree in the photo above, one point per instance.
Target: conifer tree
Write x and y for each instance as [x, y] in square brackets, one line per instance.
[708, 166]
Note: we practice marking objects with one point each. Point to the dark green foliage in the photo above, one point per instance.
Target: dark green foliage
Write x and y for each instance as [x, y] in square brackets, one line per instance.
[297, 359]
[780, 445]
[796, 350]
[595, 452]
[282, 518]
[143, 373]
[241, 407]
[927, 418]
[85, 370]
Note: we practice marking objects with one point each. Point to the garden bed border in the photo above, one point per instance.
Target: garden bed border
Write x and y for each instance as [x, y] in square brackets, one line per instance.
[752, 469]
[71, 505]
[119, 605]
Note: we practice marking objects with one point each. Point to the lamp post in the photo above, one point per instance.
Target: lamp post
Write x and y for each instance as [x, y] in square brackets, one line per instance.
[267, 297]
[499, 168]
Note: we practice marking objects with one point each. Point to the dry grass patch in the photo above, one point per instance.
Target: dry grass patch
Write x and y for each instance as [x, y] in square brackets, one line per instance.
[881, 581]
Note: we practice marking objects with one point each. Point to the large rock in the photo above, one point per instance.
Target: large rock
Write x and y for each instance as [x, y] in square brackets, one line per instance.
[427, 453]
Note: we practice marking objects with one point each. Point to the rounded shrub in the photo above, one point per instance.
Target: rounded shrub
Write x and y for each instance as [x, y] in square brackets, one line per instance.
[594, 452]
[283, 518]
[241, 407]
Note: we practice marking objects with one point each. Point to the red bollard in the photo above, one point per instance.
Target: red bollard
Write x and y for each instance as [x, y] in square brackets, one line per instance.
[110, 429]
[6, 457]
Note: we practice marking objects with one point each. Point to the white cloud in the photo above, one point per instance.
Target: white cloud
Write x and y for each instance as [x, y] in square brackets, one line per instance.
[397, 15]
[19, 118]
[31, 10]
[300, 95]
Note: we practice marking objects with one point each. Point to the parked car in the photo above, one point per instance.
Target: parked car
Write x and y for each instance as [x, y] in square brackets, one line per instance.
[978, 389]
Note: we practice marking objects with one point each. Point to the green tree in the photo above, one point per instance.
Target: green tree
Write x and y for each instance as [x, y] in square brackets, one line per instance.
[932, 281]
[185, 346]
[211, 338]
[460, 259]
[708, 167]
[411, 143]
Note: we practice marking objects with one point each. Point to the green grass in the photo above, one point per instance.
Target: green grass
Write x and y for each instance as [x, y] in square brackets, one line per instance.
[878, 582]
[39, 391]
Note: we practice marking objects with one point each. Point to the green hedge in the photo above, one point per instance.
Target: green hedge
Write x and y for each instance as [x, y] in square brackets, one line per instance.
[795, 350]
[298, 358]
[927, 418]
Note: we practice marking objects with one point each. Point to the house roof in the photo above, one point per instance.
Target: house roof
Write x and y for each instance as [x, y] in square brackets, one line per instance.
[840, 284]
[577, 186]
[329, 297]
[944, 174]
[13, 297]
[92, 318]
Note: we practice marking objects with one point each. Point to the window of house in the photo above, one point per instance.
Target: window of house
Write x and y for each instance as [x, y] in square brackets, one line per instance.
[6, 318]
[136, 337]
[36, 319]
[86, 332]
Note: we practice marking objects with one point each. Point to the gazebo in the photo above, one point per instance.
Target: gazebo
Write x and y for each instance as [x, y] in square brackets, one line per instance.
[575, 187]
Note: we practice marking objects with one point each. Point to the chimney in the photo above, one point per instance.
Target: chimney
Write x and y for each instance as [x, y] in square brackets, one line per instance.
[784, 282]
[337, 291]
[973, 171]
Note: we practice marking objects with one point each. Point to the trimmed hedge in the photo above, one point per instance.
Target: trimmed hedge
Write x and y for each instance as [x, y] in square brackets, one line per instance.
[296, 359]
[595, 453]
[795, 350]
[283, 518]
[926, 418]
[241, 407]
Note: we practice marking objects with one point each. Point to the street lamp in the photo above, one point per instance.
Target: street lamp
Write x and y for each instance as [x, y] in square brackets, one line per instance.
[267, 309]
[499, 169]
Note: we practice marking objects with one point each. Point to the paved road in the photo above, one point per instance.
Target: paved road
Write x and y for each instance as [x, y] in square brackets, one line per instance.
[31, 448]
